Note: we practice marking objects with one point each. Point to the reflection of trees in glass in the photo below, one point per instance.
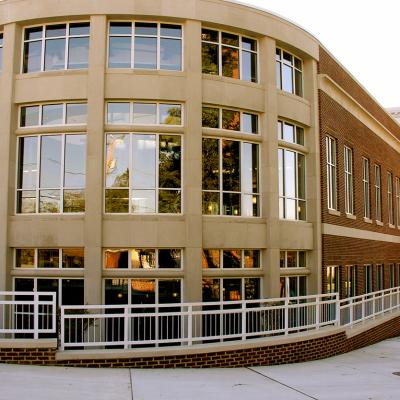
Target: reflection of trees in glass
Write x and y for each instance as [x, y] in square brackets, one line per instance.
[122, 180]
[211, 258]
[210, 164]
[117, 201]
[169, 258]
[210, 117]
[230, 62]
[231, 165]
[169, 201]
[232, 258]
[210, 58]
[174, 116]
[170, 162]
[231, 120]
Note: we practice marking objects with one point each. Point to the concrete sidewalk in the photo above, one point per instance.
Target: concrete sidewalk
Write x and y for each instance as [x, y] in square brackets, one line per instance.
[365, 374]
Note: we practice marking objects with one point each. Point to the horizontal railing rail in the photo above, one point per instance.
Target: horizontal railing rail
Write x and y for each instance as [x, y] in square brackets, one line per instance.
[27, 314]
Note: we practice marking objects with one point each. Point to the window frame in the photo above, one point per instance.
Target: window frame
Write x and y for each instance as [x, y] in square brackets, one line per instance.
[368, 278]
[390, 205]
[242, 260]
[286, 288]
[378, 192]
[132, 48]
[348, 180]
[281, 126]
[332, 279]
[1, 51]
[331, 173]
[350, 283]
[366, 188]
[297, 259]
[380, 277]
[397, 187]
[279, 80]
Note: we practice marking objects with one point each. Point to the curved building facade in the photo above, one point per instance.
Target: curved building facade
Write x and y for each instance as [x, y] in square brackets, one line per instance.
[170, 151]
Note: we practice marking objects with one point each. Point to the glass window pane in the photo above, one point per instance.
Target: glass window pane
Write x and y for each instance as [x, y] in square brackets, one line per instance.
[252, 288]
[278, 75]
[117, 201]
[117, 161]
[143, 161]
[169, 258]
[288, 133]
[231, 204]
[302, 259]
[231, 165]
[210, 58]
[48, 285]
[50, 159]
[145, 113]
[249, 66]
[23, 285]
[33, 56]
[143, 201]
[49, 201]
[73, 258]
[232, 289]
[169, 201]
[171, 30]
[170, 161]
[119, 53]
[170, 114]
[79, 29]
[143, 291]
[232, 258]
[78, 53]
[146, 29]
[210, 117]
[25, 258]
[252, 258]
[54, 57]
[299, 135]
[291, 257]
[230, 62]
[290, 209]
[209, 35]
[116, 291]
[72, 292]
[171, 54]
[145, 52]
[1, 54]
[48, 258]
[169, 291]
[26, 202]
[118, 113]
[249, 44]
[55, 30]
[211, 290]
[116, 259]
[298, 82]
[74, 201]
[28, 168]
[249, 123]
[210, 164]
[53, 114]
[249, 168]
[34, 33]
[287, 78]
[143, 258]
[211, 259]
[76, 113]
[210, 203]
[230, 39]
[301, 176]
[302, 286]
[29, 116]
[290, 174]
[120, 28]
[231, 120]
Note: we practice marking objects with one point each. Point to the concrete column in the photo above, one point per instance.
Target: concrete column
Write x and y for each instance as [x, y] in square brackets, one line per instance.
[313, 179]
[94, 160]
[269, 168]
[8, 113]
[192, 163]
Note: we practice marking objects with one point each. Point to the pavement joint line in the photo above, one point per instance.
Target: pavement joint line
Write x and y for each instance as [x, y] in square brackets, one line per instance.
[281, 383]
[130, 378]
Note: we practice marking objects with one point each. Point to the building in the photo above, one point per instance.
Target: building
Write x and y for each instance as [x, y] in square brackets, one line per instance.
[171, 151]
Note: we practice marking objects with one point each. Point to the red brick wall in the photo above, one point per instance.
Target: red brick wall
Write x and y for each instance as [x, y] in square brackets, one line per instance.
[306, 350]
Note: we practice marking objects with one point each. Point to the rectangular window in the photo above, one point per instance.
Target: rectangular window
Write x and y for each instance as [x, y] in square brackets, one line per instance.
[53, 114]
[397, 201]
[51, 174]
[350, 283]
[293, 259]
[231, 289]
[331, 164]
[390, 198]
[293, 286]
[135, 113]
[145, 45]
[368, 279]
[292, 182]
[290, 133]
[56, 47]
[289, 72]
[233, 258]
[366, 190]
[379, 277]
[1, 52]
[392, 277]
[230, 178]
[348, 180]
[332, 279]
[143, 174]
[233, 120]
[229, 55]
[378, 194]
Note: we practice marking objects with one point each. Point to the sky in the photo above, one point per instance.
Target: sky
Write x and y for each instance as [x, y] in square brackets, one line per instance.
[363, 35]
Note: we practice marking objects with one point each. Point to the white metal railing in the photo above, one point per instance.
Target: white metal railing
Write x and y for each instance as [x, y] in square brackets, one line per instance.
[358, 309]
[187, 324]
[27, 314]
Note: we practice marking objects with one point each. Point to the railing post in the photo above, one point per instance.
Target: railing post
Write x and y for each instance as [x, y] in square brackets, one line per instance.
[190, 325]
[54, 314]
[62, 329]
[286, 314]
[373, 305]
[244, 319]
[351, 311]
[337, 305]
[317, 311]
[364, 298]
[126, 327]
[36, 315]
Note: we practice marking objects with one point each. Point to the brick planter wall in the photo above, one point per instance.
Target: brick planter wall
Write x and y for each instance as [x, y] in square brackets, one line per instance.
[303, 350]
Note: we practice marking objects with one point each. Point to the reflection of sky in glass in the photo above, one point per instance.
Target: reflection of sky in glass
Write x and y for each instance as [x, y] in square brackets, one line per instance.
[145, 52]
[119, 52]
[288, 133]
[30, 116]
[247, 168]
[50, 168]
[143, 161]
[290, 174]
[28, 151]
[171, 54]
[170, 114]
[144, 201]
[33, 55]
[76, 113]
[118, 113]
[54, 54]
[117, 164]
[52, 114]
[75, 156]
[287, 78]
[78, 53]
[144, 114]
